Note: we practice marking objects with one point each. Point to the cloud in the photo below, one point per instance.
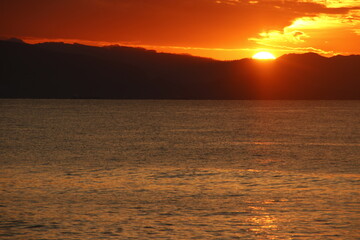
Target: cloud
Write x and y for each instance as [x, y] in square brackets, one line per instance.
[325, 33]
[285, 36]
[188, 24]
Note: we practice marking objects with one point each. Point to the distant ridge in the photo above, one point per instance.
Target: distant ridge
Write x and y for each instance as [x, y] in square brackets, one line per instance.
[60, 70]
[17, 40]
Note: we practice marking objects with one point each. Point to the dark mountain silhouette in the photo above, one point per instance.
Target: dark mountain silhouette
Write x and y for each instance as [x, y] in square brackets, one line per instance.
[18, 40]
[59, 70]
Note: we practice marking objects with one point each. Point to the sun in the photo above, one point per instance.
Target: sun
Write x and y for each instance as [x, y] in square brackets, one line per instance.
[263, 56]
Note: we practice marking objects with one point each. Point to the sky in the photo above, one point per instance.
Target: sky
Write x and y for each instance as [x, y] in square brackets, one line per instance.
[220, 29]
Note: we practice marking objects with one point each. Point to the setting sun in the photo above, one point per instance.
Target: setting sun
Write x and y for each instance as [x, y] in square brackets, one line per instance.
[263, 56]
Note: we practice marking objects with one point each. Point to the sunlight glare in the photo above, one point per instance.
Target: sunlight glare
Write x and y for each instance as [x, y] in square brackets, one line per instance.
[263, 56]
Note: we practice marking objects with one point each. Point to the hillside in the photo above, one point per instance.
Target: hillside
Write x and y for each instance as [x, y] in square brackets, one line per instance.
[58, 70]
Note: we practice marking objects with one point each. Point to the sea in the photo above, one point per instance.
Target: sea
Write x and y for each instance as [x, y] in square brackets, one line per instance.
[176, 169]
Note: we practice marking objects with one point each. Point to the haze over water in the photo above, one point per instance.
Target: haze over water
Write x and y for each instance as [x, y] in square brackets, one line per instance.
[96, 169]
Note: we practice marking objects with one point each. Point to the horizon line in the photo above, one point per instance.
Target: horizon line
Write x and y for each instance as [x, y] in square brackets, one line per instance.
[90, 43]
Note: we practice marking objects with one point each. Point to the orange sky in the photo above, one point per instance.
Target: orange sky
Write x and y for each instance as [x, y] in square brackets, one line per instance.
[221, 29]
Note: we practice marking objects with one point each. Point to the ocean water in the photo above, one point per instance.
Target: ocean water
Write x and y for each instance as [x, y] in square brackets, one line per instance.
[101, 169]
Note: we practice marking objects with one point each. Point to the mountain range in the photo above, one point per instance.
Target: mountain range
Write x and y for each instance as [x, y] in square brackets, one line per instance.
[60, 70]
